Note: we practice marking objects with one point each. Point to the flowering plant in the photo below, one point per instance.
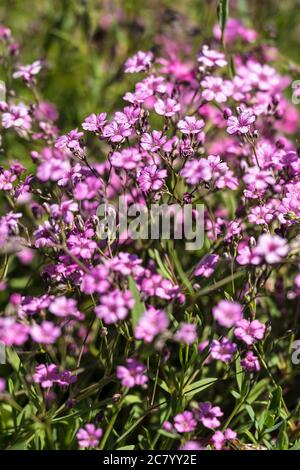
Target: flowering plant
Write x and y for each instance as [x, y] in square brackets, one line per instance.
[114, 342]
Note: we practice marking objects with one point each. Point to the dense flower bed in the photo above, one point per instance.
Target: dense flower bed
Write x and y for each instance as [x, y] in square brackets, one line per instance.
[141, 343]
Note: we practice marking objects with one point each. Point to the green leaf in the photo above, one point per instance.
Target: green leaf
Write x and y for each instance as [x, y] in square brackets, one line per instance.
[257, 390]
[198, 386]
[126, 448]
[139, 306]
[222, 12]
[240, 374]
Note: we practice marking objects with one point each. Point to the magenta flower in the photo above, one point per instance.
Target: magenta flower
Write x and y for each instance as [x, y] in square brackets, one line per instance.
[154, 141]
[2, 385]
[81, 245]
[132, 374]
[241, 123]
[227, 313]
[151, 323]
[219, 439]
[45, 333]
[250, 362]
[215, 88]
[151, 178]
[114, 306]
[208, 415]
[126, 264]
[249, 331]
[89, 436]
[45, 375]
[206, 266]
[187, 333]
[96, 280]
[140, 62]
[222, 350]
[272, 247]
[185, 422]
[190, 125]
[167, 107]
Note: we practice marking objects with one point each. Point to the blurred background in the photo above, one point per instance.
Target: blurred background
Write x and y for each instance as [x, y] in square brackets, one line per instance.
[85, 42]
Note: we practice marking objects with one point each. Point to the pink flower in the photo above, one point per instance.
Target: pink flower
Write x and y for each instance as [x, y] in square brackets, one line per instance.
[94, 122]
[140, 62]
[127, 158]
[114, 306]
[2, 385]
[241, 123]
[27, 72]
[125, 264]
[192, 445]
[45, 333]
[190, 125]
[96, 280]
[196, 170]
[258, 179]
[151, 323]
[12, 333]
[151, 178]
[227, 313]
[247, 254]
[154, 141]
[222, 350]
[132, 374]
[208, 415]
[185, 422]
[272, 247]
[220, 438]
[250, 362]
[70, 141]
[187, 333]
[206, 266]
[6, 180]
[215, 88]
[116, 132]
[89, 436]
[64, 307]
[16, 116]
[249, 331]
[45, 375]
[167, 107]
[211, 58]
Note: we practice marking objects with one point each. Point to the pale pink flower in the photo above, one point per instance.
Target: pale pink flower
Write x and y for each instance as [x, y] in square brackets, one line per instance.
[167, 107]
[272, 248]
[45, 333]
[227, 313]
